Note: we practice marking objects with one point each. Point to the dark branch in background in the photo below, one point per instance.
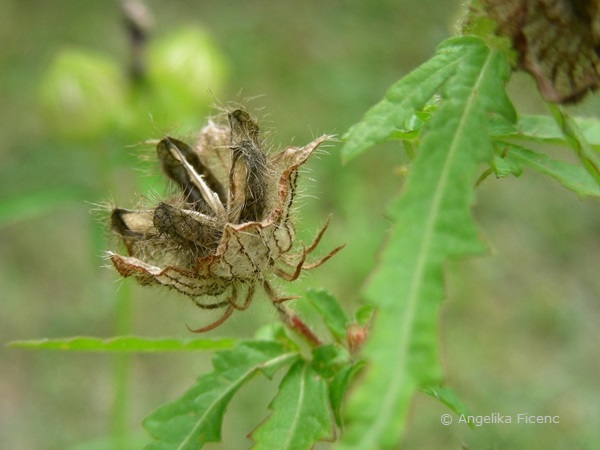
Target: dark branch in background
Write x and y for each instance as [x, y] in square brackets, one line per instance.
[138, 23]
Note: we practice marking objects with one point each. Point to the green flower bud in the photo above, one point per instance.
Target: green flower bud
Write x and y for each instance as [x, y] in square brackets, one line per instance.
[82, 94]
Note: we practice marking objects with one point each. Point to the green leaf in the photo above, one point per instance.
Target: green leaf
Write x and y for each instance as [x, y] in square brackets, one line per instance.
[364, 314]
[414, 124]
[574, 178]
[402, 99]
[300, 412]
[544, 129]
[338, 387]
[276, 332]
[448, 397]
[125, 344]
[196, 417]
[332, 314]
[433, 224]
[577, 141]
[328, 359]
[504, 166]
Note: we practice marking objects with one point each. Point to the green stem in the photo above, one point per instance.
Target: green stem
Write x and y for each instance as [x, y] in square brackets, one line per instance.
[121, 368]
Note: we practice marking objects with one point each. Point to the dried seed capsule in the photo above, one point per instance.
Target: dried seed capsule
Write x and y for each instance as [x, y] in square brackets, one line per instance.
[556, 41]
[212, 244]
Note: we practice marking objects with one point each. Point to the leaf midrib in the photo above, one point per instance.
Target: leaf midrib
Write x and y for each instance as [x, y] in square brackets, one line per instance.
[232, 388]
[299, 403]
[415, 287]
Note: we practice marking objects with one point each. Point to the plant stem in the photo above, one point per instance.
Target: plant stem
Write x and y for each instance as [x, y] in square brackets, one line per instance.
[121, 367]
[289, 318]
[297, 325]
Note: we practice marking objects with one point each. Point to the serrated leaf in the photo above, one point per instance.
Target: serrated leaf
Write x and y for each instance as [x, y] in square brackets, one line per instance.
[433, 224]
[125, 344]
[196, 417]
[574, 178]
[300, 412]
[401, 101]
[332, 314]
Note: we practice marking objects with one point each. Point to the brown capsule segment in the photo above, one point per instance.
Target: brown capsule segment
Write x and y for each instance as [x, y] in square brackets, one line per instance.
[187, 228]
[243, 128]
[182, 165]
[556, 41]
[135, 227]
[248, 178]
[131, 224]
[248, 183]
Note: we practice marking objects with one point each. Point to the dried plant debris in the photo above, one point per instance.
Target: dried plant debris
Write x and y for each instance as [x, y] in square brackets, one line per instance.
[228, 229]
[557, 41]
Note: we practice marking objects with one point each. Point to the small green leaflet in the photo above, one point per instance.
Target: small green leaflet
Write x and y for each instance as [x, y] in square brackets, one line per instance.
[433, 224]
[300, 412]
[196, 417]
[330, 310]
[329, 359]
[338, 386]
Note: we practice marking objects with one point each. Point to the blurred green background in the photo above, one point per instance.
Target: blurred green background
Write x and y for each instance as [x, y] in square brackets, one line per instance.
[518, 332]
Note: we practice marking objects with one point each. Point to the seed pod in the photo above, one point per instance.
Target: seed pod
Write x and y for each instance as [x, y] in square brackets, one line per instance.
[215, 245]
[556, 41]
